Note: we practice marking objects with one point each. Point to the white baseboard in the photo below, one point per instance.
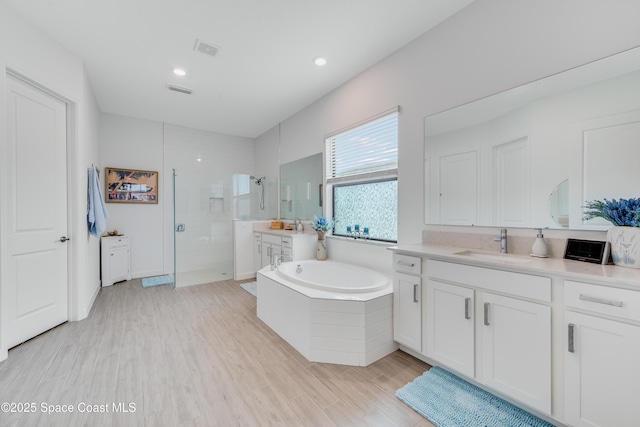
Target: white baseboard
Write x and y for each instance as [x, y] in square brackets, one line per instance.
[83, 312]
[243, 276]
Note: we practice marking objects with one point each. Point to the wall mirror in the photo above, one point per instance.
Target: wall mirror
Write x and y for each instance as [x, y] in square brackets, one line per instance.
[531, 156]
[300, 188]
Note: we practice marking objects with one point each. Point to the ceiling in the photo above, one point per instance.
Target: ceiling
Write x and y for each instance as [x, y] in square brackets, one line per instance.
[263, 72]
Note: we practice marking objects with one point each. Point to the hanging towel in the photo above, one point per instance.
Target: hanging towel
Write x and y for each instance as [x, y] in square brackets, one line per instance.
[96, 210]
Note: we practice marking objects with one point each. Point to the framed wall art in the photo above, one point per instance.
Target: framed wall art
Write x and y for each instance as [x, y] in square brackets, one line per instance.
[131, 186]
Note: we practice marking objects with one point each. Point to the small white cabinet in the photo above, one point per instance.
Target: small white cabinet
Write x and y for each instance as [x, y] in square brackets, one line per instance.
[115, 266]
[407, 301]
[601, 356]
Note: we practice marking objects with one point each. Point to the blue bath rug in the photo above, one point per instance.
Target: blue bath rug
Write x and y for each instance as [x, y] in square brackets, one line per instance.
[251, 287]
[449, 401]
[147, 282]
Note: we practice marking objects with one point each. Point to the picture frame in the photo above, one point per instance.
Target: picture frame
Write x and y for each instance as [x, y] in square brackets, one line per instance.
[130, 186]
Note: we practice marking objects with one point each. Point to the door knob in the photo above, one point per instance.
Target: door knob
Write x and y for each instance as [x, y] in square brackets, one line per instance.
[64, 239]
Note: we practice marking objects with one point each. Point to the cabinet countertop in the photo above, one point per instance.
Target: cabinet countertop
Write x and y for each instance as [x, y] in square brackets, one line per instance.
[609, 275]
[285, 232]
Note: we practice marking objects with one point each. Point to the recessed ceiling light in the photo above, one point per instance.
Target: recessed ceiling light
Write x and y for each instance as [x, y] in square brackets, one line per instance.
[320, 61]
[179, 72]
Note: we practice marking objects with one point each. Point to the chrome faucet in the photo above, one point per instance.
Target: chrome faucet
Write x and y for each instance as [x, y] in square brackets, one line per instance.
[277, 259]
[503, 240]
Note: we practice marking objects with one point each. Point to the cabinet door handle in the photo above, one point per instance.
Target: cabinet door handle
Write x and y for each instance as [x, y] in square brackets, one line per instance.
[259, 249]
[415, 293]
[467, 304]
[406, 264]
[570, 335]
[268, 250]
[600, 300]
[486, 314]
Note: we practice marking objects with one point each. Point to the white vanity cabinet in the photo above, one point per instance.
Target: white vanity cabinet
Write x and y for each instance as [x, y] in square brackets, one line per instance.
[115, 264]
[449, 327]
[491, 320]
[257, 251]
[516, 349]
[271, 245]
[407, 301]
[294, 246]
[601, 355]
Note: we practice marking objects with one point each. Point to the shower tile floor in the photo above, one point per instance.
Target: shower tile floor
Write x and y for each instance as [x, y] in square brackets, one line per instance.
[221, 271]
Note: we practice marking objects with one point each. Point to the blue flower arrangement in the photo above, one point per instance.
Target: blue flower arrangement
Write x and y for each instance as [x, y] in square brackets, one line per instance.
[321, 223]
[624, 212]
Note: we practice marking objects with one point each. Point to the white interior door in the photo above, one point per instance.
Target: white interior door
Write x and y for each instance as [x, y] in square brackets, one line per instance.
[35, 289]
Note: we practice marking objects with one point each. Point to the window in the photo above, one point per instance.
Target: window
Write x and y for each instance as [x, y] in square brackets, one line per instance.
[362, 167]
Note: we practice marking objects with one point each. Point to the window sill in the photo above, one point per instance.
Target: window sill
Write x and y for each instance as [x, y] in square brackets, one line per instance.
[362, 241]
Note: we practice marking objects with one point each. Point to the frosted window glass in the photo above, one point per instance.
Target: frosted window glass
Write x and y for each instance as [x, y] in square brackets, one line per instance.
[373, 205]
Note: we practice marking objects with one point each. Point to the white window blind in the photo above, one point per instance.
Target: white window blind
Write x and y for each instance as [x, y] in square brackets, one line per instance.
[364, 152]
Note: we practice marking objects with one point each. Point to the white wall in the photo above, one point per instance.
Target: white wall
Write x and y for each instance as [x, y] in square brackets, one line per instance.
[131, 143]
[490, 46]
[29, 52]
[136, 144]
[86, 259]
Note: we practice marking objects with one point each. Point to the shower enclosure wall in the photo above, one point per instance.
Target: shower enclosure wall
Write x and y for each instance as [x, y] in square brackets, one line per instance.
[207, 195]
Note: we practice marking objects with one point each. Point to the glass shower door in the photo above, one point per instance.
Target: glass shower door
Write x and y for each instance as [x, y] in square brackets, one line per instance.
[203, 233]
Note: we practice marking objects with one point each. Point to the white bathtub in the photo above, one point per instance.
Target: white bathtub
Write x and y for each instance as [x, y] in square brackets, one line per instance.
[329, 311]
[334, 277]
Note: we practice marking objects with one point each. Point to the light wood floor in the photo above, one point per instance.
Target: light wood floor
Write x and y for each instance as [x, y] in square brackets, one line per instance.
[193, 356]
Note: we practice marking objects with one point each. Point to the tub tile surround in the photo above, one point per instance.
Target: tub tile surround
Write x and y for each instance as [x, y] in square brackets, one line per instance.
[355, 333]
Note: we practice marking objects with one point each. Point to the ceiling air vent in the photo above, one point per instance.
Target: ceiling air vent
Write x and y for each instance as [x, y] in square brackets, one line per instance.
[206, 48]
[180, 89]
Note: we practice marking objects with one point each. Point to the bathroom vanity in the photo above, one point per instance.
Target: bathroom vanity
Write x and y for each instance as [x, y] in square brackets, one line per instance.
[292, 245]
[560, 338]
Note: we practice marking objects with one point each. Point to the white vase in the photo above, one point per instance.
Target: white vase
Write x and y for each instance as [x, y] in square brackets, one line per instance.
[321, 252]
[625, 246]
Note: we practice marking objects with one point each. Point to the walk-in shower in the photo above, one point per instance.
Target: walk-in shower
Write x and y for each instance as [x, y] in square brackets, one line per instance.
[205, 204]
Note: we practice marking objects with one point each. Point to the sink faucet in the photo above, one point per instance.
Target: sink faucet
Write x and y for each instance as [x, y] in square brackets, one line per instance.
[503, 240]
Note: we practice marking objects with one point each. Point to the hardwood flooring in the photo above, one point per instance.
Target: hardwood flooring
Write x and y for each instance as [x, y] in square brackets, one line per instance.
[195, 356]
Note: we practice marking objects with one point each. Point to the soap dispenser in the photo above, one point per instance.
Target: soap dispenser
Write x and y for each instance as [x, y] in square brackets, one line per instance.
[539, 248]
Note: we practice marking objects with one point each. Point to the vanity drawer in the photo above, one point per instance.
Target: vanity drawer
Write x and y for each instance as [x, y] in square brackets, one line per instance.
[270, 238]
[286, 242]
[507, 282]
[407, 264]
[617, 302]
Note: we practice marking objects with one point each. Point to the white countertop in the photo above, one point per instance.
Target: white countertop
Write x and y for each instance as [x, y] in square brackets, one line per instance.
[285, 232]
[610, 275]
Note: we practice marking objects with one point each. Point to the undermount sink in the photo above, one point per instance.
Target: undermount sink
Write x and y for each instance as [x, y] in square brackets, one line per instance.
[501, 258]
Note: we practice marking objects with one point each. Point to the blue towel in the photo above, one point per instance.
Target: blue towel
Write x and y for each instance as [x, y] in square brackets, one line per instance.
[96, 210]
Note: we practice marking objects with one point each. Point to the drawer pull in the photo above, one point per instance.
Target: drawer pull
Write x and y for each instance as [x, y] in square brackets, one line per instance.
[467, 304]
[406, 264]
[415, 293]
[486, 314]
[600, 300]
[570, 335]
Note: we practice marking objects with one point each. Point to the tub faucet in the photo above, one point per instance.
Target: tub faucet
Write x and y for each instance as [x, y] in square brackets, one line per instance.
[276, 260]
[503, 240]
